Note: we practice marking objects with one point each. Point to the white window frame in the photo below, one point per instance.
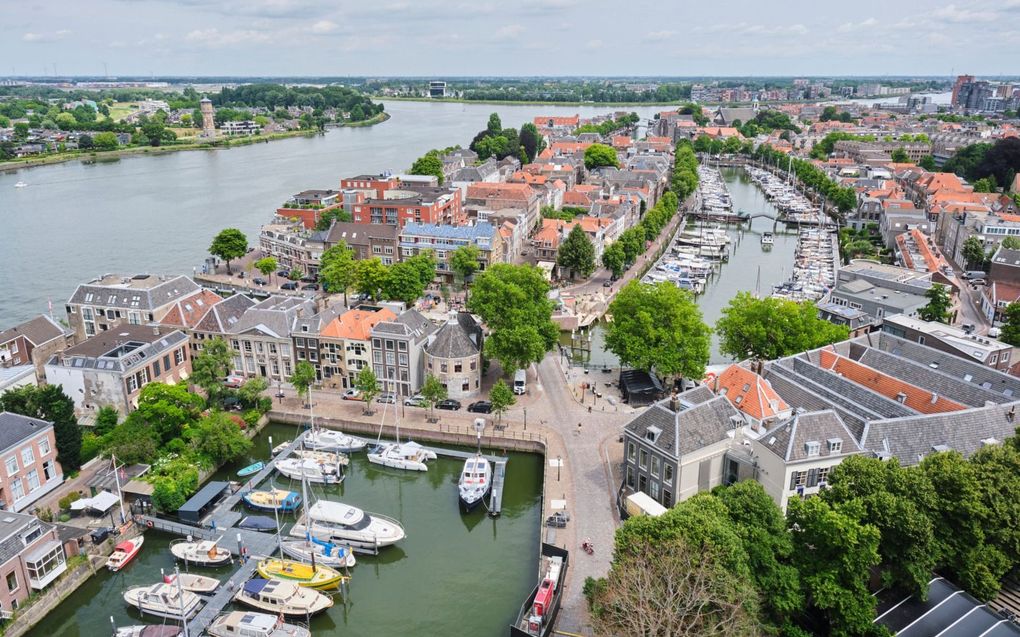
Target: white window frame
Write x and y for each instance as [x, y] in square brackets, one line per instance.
[27, 456]
[8, 462]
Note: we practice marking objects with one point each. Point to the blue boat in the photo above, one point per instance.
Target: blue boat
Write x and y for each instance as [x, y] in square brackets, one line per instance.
[272, 500]
[251, 469]
[257, 523]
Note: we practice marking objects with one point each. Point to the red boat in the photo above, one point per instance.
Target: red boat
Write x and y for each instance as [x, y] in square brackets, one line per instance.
[538, 615]
[124, 553]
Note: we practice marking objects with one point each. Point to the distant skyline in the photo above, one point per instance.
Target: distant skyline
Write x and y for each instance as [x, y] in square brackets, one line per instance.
[521, 38]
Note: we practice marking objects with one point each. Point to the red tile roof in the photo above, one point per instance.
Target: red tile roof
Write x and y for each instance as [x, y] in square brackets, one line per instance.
[917, 398]
[750, 393]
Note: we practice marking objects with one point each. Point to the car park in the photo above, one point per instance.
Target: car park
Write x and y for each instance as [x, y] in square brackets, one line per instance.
[480, 407]
[449, 404]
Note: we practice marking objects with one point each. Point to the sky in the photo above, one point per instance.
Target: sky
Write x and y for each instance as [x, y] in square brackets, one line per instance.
[445, 38]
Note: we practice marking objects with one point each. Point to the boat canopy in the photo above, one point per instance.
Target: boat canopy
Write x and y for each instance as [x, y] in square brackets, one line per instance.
[255, 585]
[257, 523]
[335, 513]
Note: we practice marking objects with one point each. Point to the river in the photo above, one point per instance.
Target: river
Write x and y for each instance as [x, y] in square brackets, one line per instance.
[750, 267]
[158, 213]
[454, 574]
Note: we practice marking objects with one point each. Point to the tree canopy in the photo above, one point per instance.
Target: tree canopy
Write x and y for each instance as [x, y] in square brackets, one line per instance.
[770, 328]
[465, 260]
[658, 327]
[598, 155]
[577, 253]
[49, 402]
[431, 163]
[513, 301]
[938, 305]
[228, 245]
[336, 269]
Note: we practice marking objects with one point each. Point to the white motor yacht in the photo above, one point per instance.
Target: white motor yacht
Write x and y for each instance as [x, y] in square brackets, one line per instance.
[149, 631]
[163, 600]
[195, 583]
[202, 553]
[345, 524]
[249, 624]
[401, 455]
[311, 470]
[475, 482]
[332, 440]
[282, 597]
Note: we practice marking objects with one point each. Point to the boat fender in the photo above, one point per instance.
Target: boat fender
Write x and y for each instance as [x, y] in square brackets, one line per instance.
[148, 523]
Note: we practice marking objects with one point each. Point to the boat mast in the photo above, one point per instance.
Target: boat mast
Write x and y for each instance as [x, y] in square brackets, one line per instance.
[180, 597]
[308, 517]
[120, 498]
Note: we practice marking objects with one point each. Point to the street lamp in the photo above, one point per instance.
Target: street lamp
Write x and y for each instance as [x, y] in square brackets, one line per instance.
[525, 419]
[559, 463]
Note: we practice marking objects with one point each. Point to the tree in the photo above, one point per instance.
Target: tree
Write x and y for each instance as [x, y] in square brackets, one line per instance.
[658, 327]
[502, 398]
[337, 269]
[633, 242]
[598, 155]
[219, 438]
[210, 367]
[167, 409]
[432, 392]
[423, 265]
[513, 301]
[370, 276]
[266, 265]
[495, 125]
[973, 252]
[999, 161]
[106, 419]
[52, 404]
[531, 142]
[614, 258]
[104, 141]
[367, 383]
[674, 587]
[429, 164]
[770, 328]
[1010, 243]
[1011, 325]
[228, 245]
[465, 261]
[985, 184]
[577, 253]
[85, 141]
[928, 163]
[938, 304]
[251, 391]
[303, 378]
[834, 553]
[402, 284]
[899, 156]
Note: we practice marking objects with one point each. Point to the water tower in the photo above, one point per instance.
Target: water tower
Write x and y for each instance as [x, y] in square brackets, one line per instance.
[208, 122]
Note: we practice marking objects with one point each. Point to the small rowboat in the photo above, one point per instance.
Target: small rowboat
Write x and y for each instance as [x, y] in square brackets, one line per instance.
[124, 553]
[251, 469]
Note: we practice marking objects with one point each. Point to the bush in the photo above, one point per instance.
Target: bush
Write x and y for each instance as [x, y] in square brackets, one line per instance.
[46, 515]
[265, 404]
[65, 502]
[91, 445]
[65, 517]
[251, 417]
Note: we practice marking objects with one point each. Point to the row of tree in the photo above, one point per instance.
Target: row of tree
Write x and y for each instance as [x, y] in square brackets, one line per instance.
[813, 177]
[277, 96]
[995, 164]
[610, 125]
[731, 559]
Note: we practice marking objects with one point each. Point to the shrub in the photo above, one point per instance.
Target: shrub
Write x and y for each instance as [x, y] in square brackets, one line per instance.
[251, 417]
[65, 517]
[65, 502]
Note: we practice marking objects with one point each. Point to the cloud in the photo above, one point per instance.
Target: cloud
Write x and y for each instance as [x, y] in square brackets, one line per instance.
[324, 26]
[744, 28]
[952, 13]
[51, 36]
[594, 44]
[848, 27]
[214, 38]
[658, 36]
[508, 32]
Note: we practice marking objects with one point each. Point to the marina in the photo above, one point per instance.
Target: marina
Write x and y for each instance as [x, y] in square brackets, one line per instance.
[439, 539]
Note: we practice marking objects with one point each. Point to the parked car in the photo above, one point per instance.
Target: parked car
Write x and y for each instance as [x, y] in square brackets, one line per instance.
[289, 285]
[449, 403]
[233, 382]
[388, 398]
[283, 273]
[607, 284]
[480, 407]
[259, 281]
[351, 394]
[240, 275]
[100, 534]
[414, 401]
[310, 286]
[309, 279]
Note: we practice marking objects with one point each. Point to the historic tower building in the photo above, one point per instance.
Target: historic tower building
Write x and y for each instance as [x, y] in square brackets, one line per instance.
[208, 122]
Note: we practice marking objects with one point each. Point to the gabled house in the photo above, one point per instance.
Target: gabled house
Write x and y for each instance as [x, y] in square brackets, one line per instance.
[28, 451]
[398, 352]
[752, 395]
[32, 343]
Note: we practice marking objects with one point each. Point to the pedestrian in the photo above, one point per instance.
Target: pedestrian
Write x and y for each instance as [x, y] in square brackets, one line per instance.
[578, 429]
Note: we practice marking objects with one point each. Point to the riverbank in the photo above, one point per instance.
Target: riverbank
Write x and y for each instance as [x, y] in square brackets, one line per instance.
[220, 143]
[460, 100]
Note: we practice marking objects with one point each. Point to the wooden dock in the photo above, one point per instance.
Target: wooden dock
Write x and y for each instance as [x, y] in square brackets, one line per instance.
[496, 494]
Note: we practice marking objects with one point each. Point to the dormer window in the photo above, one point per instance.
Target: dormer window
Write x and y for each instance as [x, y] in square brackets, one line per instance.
[812, 448]
[835, 445]
[652, 434]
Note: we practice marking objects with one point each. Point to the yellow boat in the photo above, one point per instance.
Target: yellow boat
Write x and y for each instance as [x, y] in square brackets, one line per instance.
[321, 578]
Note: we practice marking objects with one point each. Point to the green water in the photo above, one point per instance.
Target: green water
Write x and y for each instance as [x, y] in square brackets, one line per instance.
[454, 574]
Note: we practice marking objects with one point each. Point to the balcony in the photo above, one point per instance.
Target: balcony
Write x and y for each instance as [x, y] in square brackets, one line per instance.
[45, 564]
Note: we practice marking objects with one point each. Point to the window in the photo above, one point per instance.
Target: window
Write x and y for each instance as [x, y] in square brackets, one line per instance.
[272, 348]
[377, 343]
[630, 477]
[49, 471]
[667, 472]
[402, 346]
[300, 342]
[474, 365]
[179, 356]
[823, 476]
[389, 344]
[377, 356]
[12, 466]
[46, 564]
[644, 459]
[391, 358]
[247, 346]
[459, 367]
[812, 448]
[301, 355]
[258, 347]
[17, 489]
[631, 451]
[27, 456]
[33, 480]
[655, 466]
[402, 358]
[443, 367]
[12, 581]
[44, 447]
[654, 490]
[236, 345]
[465, 386]
[155, 368]
[132, 383]
[667, 498]
[797, 479]
[835, 445]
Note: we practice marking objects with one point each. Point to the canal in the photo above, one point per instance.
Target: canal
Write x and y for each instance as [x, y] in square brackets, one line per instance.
[158, 214]
[454, 574]
[750, 267]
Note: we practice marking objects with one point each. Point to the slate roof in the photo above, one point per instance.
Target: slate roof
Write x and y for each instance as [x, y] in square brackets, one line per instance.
[15, 429]
[789, 439]
[454, 340]
[912, 438]
[441, 232]
[799, 395]
[275, 316]
[357, 234]
[952, 365]
[691, 427]
[223, 316]
[411, 324]
[104, 350]
[10, 533]
[39, 330]
[851, 391]
[152, 292]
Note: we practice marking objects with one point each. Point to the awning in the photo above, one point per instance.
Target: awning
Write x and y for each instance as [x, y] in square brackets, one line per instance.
[102, 502]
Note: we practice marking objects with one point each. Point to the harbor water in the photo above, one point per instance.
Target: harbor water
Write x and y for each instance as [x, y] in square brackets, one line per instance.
[454, 574]
[750, 267]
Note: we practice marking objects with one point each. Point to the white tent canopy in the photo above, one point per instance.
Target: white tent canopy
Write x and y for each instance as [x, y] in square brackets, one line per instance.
[102, 502]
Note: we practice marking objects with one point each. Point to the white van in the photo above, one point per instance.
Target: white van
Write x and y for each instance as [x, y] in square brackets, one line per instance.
[520, 382]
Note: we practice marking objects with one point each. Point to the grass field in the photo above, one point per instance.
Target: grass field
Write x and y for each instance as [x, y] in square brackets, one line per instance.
[120, 110]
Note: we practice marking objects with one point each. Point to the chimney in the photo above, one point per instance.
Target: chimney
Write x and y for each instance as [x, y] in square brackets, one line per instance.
[934, 398]
[674, 404]
[155, 329]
